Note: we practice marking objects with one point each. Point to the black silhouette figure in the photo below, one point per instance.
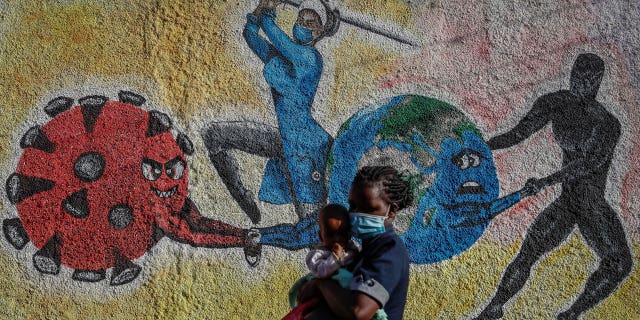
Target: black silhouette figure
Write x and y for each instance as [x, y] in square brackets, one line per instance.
[587, 134]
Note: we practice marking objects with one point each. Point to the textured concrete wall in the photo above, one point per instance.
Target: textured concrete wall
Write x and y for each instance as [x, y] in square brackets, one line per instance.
[113, 210]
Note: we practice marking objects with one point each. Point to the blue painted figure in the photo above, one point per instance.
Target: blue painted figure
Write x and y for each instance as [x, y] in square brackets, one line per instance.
[298, 148]
[292, 70]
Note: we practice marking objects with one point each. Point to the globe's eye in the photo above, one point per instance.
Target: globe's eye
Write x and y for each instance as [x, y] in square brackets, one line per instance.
[464, 162]
[175, 168]
[461, 160]
[474, 159]
[151, 170]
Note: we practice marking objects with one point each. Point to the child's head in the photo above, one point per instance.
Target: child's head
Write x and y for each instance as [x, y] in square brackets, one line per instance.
[379, 190]
[334, 225]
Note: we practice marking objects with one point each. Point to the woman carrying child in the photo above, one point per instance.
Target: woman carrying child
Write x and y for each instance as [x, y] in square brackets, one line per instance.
[381, 273]
[329, 259]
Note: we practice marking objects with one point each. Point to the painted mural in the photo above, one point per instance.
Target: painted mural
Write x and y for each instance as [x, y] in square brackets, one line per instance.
[100, 184]
[167, 159]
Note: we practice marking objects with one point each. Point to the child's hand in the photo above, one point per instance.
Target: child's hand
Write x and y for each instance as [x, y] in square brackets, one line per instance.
[338, 250]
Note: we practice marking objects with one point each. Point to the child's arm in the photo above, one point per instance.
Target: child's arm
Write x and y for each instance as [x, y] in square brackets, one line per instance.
[322, 263]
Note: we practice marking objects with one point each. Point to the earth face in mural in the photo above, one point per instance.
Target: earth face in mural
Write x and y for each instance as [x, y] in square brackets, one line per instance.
[91, 183]
[450, 168]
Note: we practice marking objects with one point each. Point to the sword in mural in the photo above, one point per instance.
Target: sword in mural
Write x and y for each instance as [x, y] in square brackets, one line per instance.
[362, 21]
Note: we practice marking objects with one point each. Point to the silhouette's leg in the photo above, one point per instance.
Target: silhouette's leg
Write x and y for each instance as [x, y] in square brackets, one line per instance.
[549, 229]
[602, 230]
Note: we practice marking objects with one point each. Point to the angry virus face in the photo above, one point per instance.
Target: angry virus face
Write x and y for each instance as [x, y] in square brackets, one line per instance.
[91, 182]
[164, 171]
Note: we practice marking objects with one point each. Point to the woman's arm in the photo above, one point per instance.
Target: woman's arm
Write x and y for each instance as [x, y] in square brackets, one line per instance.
[347, 304]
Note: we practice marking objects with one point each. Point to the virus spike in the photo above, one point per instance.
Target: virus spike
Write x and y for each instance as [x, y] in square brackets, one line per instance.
[89, 275]
[157, 234]
[14, 233]
[89, 166]
[77, 204]
[158, 123]
[185, 143]
[35, 138]
[20, 187]
[47, 259]
[58, 105]
[120, 216]
[124, 271]
[131, 98]
[91, 108]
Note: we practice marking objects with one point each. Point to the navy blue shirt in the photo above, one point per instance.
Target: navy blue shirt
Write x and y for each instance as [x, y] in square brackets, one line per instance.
[383, 272]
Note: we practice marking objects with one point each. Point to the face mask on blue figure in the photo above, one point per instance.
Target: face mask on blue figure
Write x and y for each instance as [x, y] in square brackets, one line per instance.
[365, 225]
[302, 34]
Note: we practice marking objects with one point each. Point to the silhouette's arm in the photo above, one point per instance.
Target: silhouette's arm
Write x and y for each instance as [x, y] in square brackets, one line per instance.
[533, 121]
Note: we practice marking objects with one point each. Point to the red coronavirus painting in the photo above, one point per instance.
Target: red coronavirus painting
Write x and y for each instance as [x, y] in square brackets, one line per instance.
[100, 184]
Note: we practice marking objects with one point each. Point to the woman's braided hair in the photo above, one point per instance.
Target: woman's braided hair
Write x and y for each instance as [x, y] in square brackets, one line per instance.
[392, 183]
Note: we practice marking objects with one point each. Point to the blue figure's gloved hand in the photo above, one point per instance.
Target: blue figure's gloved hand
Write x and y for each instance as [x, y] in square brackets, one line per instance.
[269, 4]
[252, 247]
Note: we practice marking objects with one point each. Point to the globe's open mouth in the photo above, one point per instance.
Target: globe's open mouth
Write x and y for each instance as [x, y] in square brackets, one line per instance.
[471, 187]
[165, 194]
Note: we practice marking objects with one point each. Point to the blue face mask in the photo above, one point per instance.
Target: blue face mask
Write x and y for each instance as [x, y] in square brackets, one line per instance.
[365, 226]
[301, 34]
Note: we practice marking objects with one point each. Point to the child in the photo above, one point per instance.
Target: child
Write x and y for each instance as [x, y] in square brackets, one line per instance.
[337, 249]
[327, 260]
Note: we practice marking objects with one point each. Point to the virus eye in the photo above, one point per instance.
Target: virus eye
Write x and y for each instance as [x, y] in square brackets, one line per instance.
[175, 168]
[151, 170]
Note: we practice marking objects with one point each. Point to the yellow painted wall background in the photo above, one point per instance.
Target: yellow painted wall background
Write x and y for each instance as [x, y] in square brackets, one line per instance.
[188, 59]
